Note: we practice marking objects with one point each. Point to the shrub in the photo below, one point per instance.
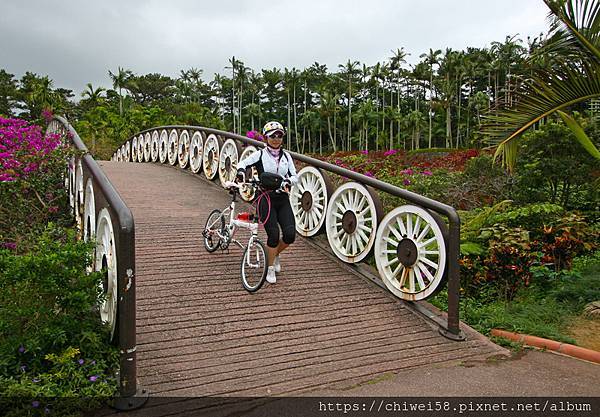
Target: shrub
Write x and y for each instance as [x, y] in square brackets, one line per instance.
[32, 167]
[567, 238]
[532, 217]
[553, 167]
[52, 341]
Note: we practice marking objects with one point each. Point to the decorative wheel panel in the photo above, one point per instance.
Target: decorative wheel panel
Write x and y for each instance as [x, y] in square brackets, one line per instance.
[140, 148]
[309, 198]
[163, 146]
[183, 154]
[352, 216]
[71, 182]
[119, 155]
[173, 147]
[147, 148]
[247, 192]
[411, 253]
[154, 145]
[228, 161]
[134, 149]
[106, 260]
[210, 157]
[79, 193]
[196, 150]
[127, 151]
[89, 214]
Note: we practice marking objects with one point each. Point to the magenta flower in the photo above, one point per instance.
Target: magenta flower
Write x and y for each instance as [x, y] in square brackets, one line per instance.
[80, 361]
[407, 171]
[390, 152]
[11, 246]
[251, 134]
[365, 152]
[369, 174]
[406, 181]
[427, 173]
[53, 209]
[93, 378]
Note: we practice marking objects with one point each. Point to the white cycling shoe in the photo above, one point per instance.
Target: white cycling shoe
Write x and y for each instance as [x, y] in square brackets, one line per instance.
[277, 264]
[271, 277]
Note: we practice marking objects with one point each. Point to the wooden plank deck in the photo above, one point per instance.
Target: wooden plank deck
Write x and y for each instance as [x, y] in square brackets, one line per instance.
[200, 333]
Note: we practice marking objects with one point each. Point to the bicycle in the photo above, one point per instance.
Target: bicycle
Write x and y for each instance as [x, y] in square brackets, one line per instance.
[219, 232]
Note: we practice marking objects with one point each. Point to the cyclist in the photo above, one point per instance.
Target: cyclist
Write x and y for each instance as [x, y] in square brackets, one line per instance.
[276, 209]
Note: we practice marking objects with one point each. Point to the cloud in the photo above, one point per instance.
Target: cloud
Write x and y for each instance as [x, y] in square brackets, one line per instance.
[75, 42]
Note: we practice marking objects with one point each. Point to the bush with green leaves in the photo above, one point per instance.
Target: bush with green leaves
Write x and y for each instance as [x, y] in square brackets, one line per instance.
[544, 309]
[553, 167]
[52, 341]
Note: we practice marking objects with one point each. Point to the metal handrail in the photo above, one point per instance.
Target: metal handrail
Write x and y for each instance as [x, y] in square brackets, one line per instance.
[130, 396]
[452, 328]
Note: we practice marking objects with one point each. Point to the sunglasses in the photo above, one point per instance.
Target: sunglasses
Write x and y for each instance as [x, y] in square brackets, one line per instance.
[277, 135]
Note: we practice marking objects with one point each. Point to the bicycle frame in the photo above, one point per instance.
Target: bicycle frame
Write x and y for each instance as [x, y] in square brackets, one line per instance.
[233, 224]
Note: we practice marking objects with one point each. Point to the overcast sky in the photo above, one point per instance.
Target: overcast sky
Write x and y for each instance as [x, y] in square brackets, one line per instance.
[76, 42]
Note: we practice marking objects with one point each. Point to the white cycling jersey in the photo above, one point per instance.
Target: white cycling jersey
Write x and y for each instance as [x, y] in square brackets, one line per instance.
[263, 161]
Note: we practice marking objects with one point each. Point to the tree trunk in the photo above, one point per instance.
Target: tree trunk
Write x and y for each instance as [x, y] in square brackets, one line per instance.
[330, 135]
[430, 102]
[289, 121]
[458, 115]
[296, 120]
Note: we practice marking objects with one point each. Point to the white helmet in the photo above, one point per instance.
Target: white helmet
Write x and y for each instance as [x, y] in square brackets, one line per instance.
[272, 127]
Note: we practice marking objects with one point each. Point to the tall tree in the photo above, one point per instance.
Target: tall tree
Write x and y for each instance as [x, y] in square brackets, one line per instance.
[119, 80]
[350, 70]
[573, 78]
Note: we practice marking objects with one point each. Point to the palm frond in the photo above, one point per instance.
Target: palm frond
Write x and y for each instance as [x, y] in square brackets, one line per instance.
[580, 134]
[565, 84]
[580, 19]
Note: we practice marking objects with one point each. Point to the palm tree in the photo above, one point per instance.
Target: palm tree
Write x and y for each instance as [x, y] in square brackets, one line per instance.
[119, 81]
[350, 69]
[396, 62]
[431, 58]
[93, 94]
[573, 78]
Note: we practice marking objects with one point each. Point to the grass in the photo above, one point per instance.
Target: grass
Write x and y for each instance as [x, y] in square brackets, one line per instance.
[548, 308]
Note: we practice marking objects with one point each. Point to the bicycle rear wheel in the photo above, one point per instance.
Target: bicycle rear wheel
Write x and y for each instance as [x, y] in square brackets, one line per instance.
[254, 266]
[215, 224]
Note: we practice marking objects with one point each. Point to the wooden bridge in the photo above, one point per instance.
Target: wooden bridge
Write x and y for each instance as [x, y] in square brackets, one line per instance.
[200, 333]
[187, 327]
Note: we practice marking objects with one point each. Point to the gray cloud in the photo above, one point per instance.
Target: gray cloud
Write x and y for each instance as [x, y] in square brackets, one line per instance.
[75, 42]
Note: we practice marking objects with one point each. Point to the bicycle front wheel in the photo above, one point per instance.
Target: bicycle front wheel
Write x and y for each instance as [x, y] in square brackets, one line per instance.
[215, 224]
[254, 266]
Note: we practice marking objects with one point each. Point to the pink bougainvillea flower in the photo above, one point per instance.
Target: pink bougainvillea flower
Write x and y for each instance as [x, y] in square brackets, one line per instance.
[364, 152]
[390, 152]
[369, 174]
[427, 172]
[407, 171]
[251, 134]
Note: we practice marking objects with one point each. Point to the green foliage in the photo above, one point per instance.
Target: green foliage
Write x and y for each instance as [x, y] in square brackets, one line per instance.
[531, 217]
[567, 237]
[52, 342]
[543, 309]
[553, 167]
